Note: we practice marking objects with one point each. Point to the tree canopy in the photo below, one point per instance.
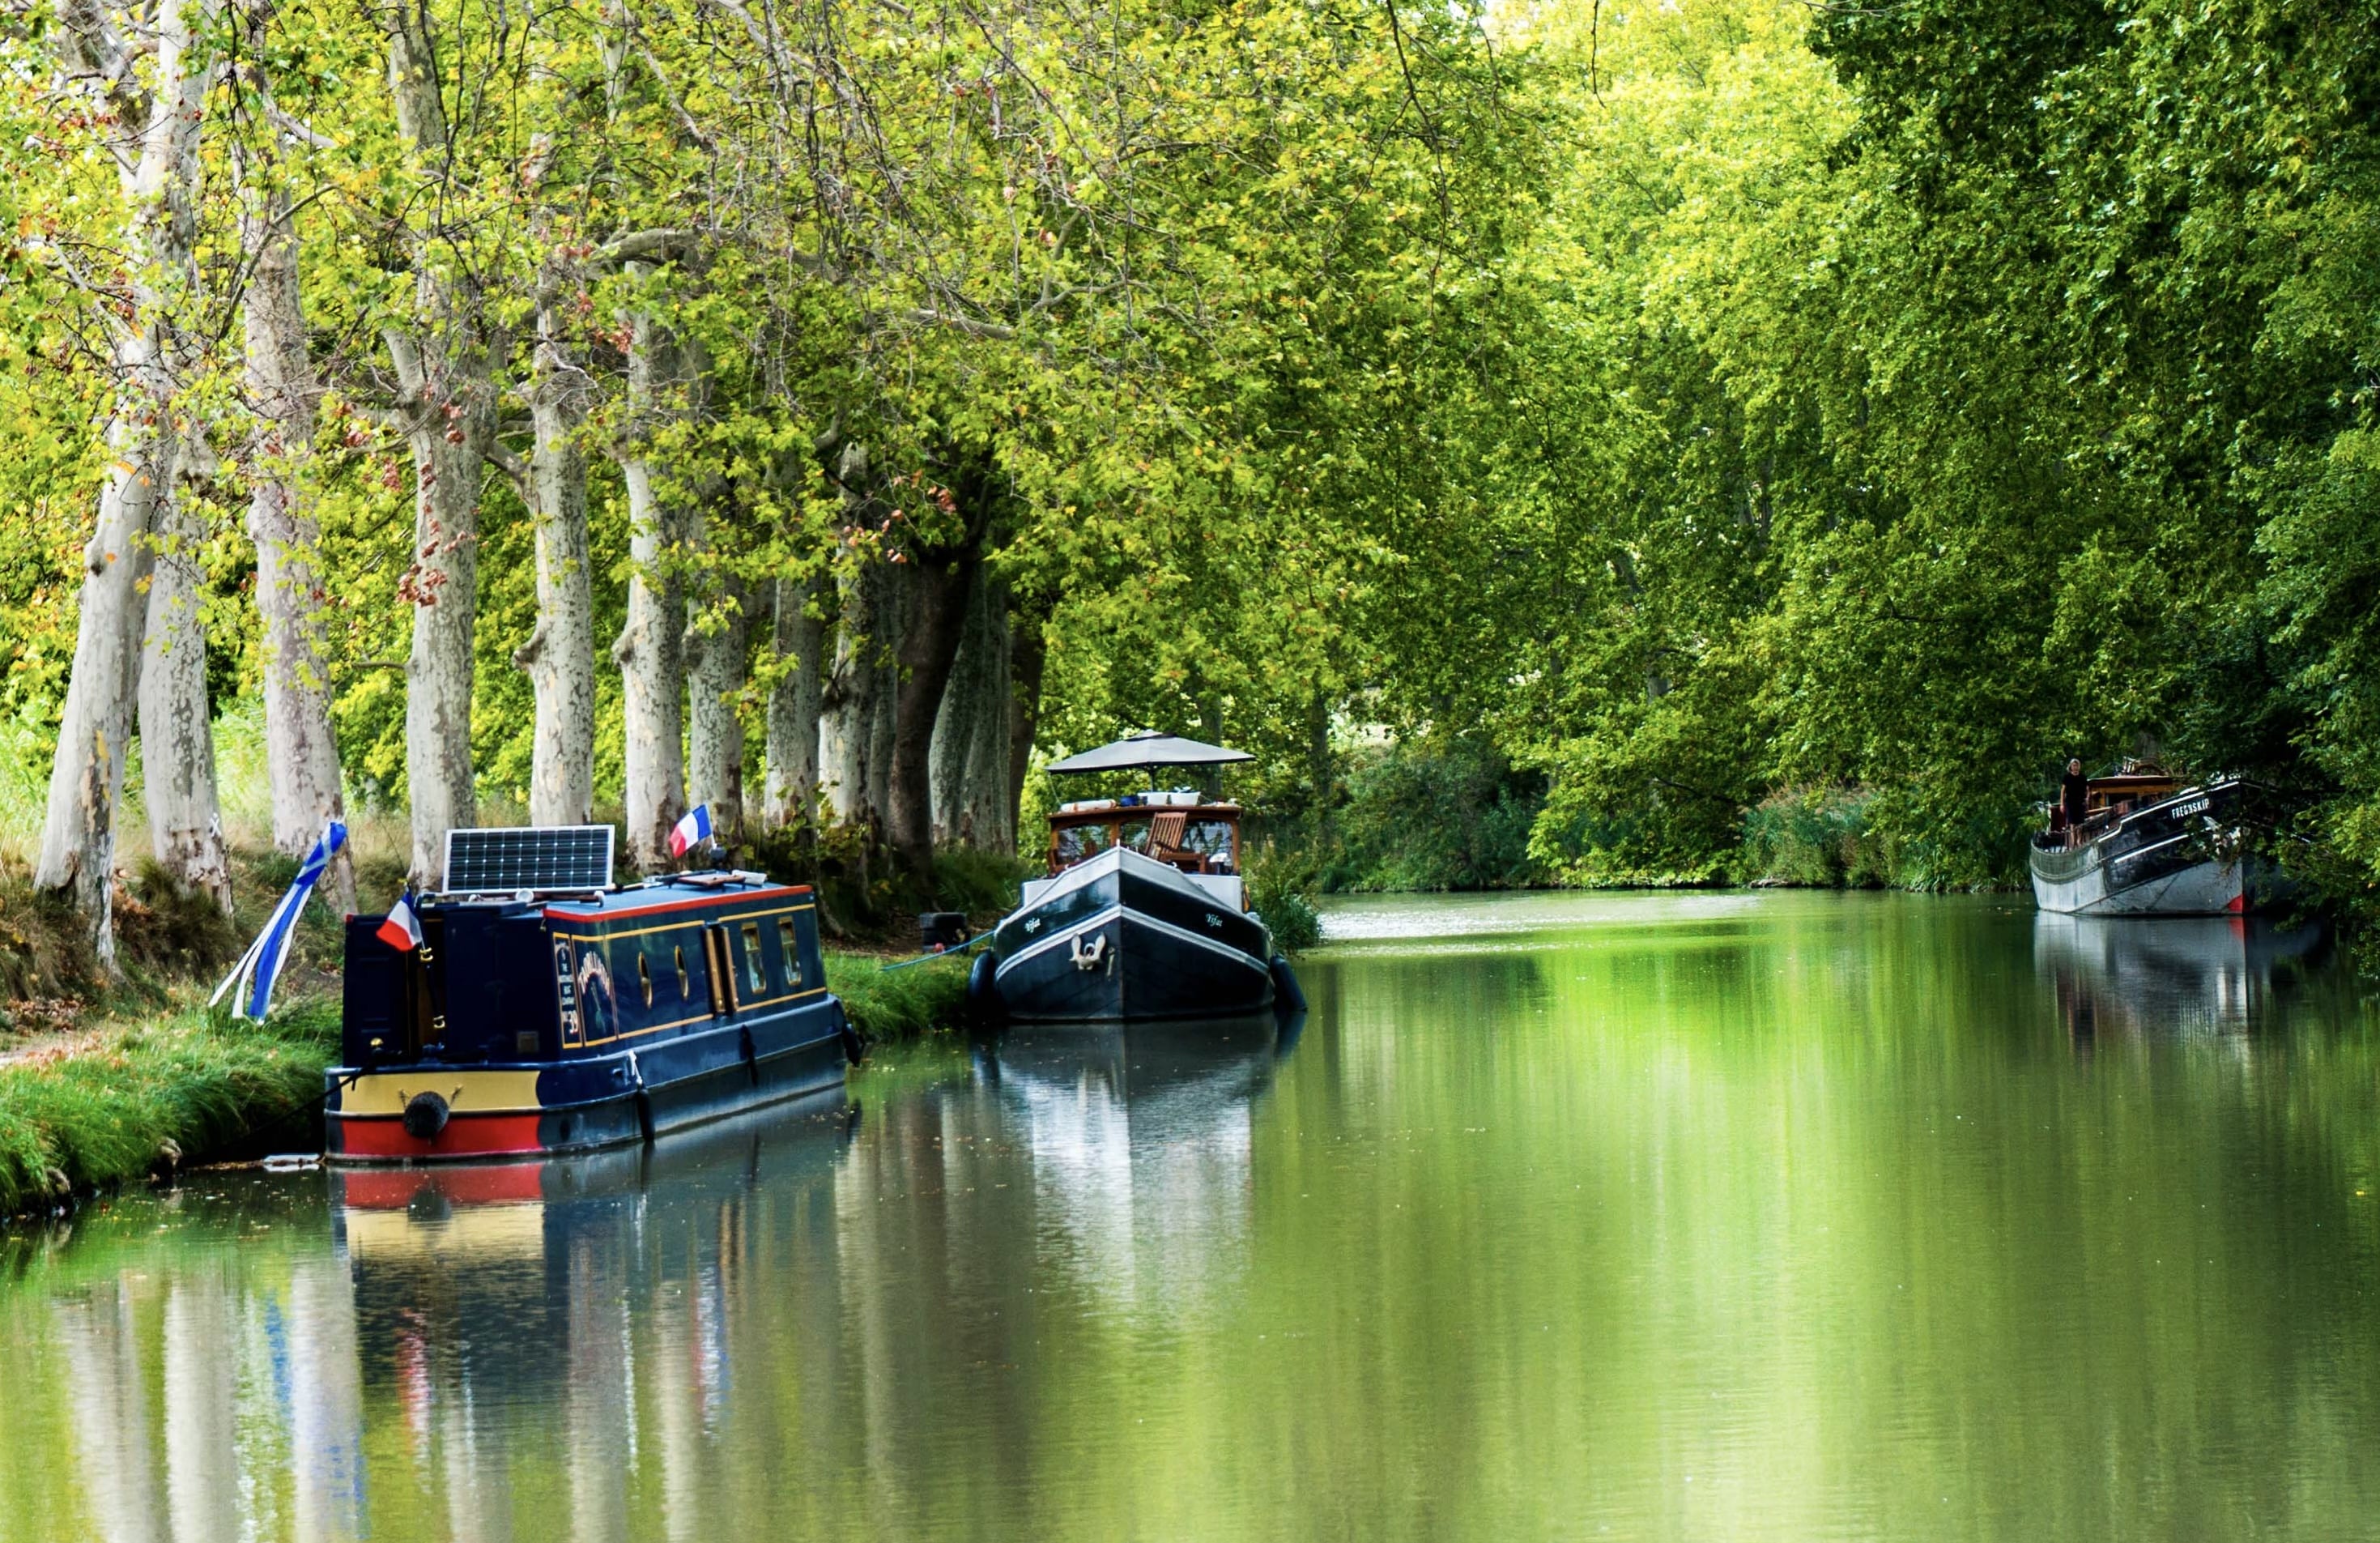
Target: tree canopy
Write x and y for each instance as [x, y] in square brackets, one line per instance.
[821, 411]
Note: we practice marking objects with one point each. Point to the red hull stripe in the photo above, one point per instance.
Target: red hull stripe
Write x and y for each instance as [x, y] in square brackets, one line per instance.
[465, 1136]
[395, 1189]
[563, 913]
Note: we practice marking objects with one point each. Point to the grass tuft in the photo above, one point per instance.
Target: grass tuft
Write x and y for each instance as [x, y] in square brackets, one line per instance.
[886, 1006]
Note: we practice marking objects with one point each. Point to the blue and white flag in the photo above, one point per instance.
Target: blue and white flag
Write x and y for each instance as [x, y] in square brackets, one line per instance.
[251, 980]
[694, 829]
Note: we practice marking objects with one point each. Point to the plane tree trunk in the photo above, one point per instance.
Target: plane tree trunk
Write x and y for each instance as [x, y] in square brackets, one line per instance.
[794, 702]
[560, 654]
[850, 731]
[649, 649]
[892, 619]
[971, 732]
[444, 360]
[1028, 654]
[157, 178]
[177, 745]
[854, 730]
[291, 600]
[715, 641]
[935, 582]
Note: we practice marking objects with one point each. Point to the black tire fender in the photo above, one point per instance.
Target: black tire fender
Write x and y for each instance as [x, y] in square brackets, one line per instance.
[1287, 995]
[983, 989]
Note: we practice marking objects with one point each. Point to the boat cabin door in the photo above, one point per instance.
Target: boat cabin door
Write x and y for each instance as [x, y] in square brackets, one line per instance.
[719, 967]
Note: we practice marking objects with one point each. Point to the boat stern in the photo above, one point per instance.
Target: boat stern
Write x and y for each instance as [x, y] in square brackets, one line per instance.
[431, 1114]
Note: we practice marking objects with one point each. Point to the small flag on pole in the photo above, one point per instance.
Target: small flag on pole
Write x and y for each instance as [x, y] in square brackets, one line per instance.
[401, 930]
[694, 828]
[251, 980]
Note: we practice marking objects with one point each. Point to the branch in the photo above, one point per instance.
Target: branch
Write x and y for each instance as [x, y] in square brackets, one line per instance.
[640, 244]
[669, 94]
[503, 460]
[962, 324]
[297, 128]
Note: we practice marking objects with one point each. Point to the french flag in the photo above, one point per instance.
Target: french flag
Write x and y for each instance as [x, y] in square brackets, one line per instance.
[401, 930]
[694, 828]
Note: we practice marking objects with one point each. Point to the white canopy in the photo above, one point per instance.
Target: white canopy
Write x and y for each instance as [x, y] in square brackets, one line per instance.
[1149, 751]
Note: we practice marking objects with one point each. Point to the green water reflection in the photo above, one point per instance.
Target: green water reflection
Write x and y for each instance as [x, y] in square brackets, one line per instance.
[1695, 1217]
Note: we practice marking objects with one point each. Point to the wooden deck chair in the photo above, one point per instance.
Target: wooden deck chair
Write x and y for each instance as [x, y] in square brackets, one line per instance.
[1165, 833]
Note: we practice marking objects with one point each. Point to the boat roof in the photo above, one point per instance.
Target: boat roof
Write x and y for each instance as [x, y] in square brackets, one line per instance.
[1147, 751]
[676, 891]
[1113, 813]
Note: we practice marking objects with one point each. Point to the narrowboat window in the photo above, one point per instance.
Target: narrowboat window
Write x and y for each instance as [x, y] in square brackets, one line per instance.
[684, 986]
[1077, 842]
[752, 975]
[789, 952]
[645, 976]
[1212, 840]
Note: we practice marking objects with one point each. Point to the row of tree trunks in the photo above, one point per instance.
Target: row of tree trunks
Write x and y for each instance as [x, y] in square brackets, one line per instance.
[916, 732]
[158, 177]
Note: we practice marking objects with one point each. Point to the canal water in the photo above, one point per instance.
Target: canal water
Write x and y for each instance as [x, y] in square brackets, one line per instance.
[1707, 1216]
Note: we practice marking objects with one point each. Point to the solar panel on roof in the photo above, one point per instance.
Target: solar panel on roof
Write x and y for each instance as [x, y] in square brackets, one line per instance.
[511, 857]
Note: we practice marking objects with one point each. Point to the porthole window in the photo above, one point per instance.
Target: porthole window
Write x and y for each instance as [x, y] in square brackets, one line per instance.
[684, 986]
[752, 975]
[645, 977]
[789, 951]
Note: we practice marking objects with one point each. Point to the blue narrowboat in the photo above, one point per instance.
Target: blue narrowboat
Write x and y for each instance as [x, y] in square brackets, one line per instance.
[530, 1022]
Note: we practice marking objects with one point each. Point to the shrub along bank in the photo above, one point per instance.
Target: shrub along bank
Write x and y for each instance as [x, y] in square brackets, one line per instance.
[1450, 812]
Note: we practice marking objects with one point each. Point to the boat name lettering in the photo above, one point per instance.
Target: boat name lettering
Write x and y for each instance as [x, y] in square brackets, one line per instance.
[568, 988]
[2196, 805]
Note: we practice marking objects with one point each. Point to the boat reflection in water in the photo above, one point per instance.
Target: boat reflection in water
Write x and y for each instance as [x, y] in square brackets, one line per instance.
[1140, 1137]
[595, 1291]
[2167, 975]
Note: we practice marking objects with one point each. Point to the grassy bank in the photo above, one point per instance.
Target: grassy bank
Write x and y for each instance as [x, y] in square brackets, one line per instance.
[118, 1103]
[91, 1109]
[889, 1005]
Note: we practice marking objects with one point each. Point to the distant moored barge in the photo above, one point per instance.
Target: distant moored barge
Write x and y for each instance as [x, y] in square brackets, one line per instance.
[2149, 847]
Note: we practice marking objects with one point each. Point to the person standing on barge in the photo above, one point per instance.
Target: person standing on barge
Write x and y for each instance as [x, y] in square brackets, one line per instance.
[2074, 793]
